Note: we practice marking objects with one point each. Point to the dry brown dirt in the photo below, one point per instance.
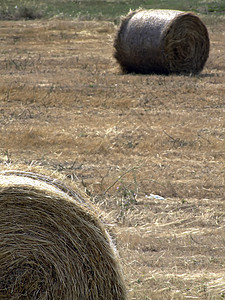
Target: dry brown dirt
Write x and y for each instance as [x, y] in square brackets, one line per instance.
[65, 105]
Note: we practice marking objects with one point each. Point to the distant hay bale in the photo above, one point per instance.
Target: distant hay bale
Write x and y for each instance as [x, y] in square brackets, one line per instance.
[162, 42]
[52, 243]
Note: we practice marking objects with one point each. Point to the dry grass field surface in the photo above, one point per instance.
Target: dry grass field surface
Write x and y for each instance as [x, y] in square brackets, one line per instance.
[150, 149]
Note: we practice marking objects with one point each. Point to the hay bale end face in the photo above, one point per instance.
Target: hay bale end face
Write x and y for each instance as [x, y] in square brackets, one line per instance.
[52, 243]
[162, 42]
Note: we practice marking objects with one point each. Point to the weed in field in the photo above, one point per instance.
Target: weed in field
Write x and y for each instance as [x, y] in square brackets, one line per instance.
[126, 192]
[24, 11]
[28, 13]
[126, 198]
[5, 156]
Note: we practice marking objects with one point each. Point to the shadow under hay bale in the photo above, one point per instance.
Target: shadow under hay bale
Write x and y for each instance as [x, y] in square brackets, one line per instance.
[52, 243]
[162, 42]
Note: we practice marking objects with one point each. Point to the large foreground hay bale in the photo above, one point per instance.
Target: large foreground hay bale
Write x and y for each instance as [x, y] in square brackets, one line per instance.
[52, 243]
[162, 42]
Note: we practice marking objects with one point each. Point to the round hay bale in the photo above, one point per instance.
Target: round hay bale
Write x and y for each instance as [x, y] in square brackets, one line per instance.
[52, 243]
[162, 42]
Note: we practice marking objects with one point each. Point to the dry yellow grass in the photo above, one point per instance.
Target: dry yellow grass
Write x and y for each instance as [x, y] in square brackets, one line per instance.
[65, 105]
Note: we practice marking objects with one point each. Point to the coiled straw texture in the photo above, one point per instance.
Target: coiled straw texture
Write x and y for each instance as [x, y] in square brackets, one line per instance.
[52, 243]
[162, 42]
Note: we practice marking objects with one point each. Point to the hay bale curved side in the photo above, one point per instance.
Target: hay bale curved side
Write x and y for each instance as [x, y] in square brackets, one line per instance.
[52, 245]
[162, 42]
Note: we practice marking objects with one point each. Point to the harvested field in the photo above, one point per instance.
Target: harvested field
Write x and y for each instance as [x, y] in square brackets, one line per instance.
[66, 106]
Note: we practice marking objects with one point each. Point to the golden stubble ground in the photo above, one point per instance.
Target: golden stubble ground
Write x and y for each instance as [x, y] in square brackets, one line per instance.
[65, 105]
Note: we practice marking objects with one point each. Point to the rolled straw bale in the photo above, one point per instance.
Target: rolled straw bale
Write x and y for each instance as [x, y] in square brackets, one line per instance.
[52, 243]
[162, 42]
